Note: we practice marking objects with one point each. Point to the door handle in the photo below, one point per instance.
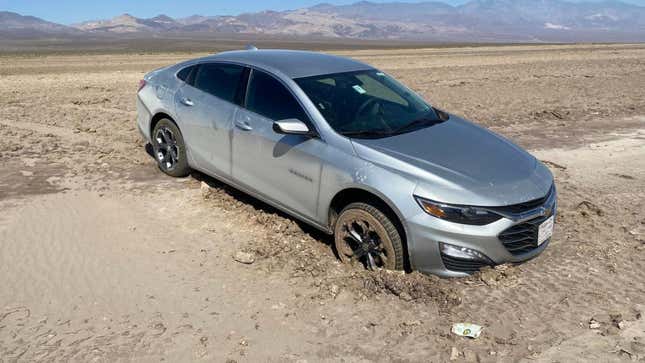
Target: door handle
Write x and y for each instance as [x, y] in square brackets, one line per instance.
[186, 102]
[243, 125]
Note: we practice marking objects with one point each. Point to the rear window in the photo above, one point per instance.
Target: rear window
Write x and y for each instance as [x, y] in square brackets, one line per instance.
[185, 73]
[270, 98]
[221, 80]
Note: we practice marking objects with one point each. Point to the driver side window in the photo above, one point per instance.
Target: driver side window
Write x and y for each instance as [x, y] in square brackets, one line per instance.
[270, 98]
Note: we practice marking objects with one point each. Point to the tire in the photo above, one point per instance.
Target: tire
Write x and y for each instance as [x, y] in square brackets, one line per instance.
[169, 149]
[354, 238]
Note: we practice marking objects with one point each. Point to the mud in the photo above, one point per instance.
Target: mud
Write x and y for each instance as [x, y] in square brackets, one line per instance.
[105, 258]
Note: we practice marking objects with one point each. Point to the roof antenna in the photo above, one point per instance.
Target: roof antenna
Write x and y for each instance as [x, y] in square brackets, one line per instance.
[251, 47]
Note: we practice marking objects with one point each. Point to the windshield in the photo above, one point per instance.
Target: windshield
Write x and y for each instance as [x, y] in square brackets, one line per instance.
[367, 104]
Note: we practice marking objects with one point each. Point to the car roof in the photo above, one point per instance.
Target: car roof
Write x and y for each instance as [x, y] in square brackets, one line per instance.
[293, 63]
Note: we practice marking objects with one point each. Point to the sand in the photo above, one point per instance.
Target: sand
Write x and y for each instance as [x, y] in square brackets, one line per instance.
[105, 258]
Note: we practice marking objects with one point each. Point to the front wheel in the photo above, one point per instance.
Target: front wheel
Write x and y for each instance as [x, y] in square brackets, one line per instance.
[169, 149]
[366, 235]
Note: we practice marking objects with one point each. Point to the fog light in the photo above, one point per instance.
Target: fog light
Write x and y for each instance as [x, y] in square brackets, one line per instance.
[463, 253]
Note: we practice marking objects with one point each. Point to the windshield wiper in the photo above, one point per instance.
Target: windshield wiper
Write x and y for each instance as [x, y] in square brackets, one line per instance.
[418, 123]
[366, 133]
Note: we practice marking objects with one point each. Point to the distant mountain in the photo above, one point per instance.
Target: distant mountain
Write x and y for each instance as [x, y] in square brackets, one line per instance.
[526, 15]
[16, 25]
[127, 23]
[476, 20]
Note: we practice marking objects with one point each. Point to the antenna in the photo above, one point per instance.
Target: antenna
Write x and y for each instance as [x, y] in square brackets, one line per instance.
[251, 47]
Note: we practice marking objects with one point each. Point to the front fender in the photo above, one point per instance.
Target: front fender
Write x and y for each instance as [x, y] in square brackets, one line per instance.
[392, 188]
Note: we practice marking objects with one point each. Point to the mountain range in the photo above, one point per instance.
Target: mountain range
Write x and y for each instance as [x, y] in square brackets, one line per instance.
[476, 20]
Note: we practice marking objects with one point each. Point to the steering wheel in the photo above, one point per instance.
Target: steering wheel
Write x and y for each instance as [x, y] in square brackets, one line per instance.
[370, 104]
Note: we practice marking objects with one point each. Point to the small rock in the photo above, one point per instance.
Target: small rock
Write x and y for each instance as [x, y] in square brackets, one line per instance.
[594, 324]
[617, 320]
[244, 257]
[405, 296]
[334, 291]
[26, 173]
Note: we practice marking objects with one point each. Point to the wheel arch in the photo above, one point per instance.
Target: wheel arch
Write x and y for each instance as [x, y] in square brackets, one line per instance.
[158, 117]
[354, 194]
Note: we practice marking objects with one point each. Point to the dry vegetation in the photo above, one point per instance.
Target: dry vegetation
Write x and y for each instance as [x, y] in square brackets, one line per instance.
[103, 257]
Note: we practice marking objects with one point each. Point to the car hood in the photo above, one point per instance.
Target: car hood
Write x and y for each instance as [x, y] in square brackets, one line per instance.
[459, 162]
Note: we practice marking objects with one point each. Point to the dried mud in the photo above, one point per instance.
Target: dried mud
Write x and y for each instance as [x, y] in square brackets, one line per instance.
[105, 258]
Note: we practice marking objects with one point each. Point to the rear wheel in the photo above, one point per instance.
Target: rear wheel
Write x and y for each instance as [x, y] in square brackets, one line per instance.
[366, 235]
[169, 149]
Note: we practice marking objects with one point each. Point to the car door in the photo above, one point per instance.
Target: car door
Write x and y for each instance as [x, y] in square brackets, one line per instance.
[206, 105]
[284, 168]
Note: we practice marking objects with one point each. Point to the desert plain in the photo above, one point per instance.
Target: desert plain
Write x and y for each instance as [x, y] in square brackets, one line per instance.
[104, 258]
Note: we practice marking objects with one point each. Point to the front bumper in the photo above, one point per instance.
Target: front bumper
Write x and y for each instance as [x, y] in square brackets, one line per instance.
[425, 233]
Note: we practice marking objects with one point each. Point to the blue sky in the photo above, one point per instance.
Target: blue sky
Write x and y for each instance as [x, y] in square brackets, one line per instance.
[71, 11]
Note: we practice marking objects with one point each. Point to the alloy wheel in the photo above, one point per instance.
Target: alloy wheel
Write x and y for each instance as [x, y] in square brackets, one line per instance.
[167, 152]
[363, 239]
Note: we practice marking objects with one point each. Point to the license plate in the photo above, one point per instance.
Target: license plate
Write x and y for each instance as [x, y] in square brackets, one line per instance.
[545, 231]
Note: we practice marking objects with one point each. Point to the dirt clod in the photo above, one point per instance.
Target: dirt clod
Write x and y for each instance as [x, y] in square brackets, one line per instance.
[206, 190]
[587, 208]
[244, 257]
[498, 275]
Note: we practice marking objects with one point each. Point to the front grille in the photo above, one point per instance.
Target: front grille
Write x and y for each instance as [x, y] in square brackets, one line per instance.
[522, 238]
[460, 265]
[526, 206]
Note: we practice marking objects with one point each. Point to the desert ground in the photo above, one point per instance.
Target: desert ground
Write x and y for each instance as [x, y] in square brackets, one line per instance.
[104, 258]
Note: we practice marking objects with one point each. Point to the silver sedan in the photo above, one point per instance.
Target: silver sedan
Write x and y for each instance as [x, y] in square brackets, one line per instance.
[344, 147]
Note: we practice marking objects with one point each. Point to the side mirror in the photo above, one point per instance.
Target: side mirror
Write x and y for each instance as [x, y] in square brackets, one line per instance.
[291, 126]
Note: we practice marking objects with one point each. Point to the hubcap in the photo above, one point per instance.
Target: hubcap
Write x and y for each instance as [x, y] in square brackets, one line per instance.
[167, 151]
[360, 241]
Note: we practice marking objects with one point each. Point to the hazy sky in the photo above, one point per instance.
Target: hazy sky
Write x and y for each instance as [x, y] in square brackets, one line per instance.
[70, 11]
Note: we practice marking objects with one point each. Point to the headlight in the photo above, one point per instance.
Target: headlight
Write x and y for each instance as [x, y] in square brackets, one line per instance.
[458, 213]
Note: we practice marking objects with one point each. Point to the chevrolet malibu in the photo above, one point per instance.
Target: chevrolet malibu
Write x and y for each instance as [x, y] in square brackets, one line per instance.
[349, 150]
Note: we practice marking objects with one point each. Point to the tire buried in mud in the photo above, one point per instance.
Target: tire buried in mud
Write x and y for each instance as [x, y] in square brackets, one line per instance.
[366, 235]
